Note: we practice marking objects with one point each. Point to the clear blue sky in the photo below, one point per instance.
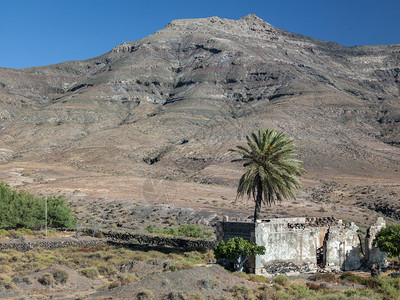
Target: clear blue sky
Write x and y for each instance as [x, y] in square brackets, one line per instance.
[42, 32]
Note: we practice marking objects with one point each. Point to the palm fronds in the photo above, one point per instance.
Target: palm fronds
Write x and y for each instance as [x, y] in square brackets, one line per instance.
[272, 171]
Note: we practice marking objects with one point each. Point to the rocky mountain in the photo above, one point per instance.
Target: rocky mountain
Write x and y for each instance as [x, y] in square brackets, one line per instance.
[170, 106]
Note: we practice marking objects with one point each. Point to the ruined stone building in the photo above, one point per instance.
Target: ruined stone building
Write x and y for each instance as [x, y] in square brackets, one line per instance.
[304, 244]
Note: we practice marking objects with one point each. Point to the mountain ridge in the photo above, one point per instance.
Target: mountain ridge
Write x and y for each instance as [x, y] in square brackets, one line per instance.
[169, 106]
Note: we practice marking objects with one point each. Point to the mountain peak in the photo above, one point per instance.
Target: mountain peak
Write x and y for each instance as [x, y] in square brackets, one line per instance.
[252, 17]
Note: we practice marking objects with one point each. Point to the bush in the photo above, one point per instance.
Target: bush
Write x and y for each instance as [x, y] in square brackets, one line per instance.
[60, 276]
[238, 250]
[390, 287]
[242, 292]
[314, 286]
[122, 280]
[354, 278]
[6, 282]
[106, 270]
[46, 279]
[355, 294]
[388, 240]
[253, 277]
[301, 292]
[89, 272]
[24, 210]
[181, 265]
[257, 278]
[3, 233]
[281, 280]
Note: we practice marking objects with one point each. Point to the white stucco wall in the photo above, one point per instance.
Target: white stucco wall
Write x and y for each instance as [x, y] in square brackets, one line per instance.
[288, 245]
[342, 249]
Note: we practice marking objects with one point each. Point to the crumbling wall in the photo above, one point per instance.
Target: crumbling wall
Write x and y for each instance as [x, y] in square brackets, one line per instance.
[372, 254]
[289, 246]
[246, 230]
[227, 230]
[294, 244]
[342, 248]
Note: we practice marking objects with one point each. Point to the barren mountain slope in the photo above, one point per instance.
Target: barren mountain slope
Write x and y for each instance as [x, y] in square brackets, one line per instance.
[170, 106]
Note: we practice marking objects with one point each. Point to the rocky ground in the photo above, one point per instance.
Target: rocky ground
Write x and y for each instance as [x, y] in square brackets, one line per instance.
[104, 201]
[150, 123]
[140, 136]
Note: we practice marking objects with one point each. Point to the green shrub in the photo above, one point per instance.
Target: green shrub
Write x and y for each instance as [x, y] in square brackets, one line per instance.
[238, 250]
[4, 257]
[89, 272]
[106, 270]
[356, 294]
[181, 265]
[24, 231]
[5, 269]
[150, 229]
[141, 256]
[24, 210]
[242, 292]
[281, 280]
[258, 278]
[300, 291]
[314, 286]
[14, 234]
[389, 287]
[3, 233]
[60, 276]
[122, 280]
[388, 240]
[253, 277]
[276, 293]
[6, 282]
[354, 278]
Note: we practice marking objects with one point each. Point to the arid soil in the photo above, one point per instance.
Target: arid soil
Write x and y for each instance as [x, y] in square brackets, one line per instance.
[150, 123]
[207, 281]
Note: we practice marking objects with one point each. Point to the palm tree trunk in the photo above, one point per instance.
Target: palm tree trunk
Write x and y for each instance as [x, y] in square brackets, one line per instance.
[257, 209]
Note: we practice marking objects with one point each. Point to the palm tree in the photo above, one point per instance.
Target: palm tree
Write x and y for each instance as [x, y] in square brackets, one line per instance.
[272, 172]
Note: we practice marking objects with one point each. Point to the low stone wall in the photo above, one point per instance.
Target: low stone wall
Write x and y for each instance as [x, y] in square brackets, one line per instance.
[50, 244]
[115, 238]
[159, 241]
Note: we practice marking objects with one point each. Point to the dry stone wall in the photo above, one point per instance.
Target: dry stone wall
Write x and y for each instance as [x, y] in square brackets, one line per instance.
[115, 238]
[51, 244]
[158, 241]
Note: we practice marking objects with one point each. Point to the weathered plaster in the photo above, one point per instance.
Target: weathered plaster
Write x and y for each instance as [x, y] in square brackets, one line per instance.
[372, 254]
[293, 243]
[342, 248]
[286, 245]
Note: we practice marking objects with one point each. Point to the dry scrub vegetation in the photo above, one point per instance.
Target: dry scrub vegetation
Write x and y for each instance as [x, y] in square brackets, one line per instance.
[95, 272]
[110, 266]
